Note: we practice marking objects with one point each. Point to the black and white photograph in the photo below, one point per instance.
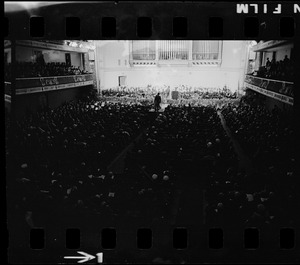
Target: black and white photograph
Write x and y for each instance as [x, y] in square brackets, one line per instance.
[166, 151]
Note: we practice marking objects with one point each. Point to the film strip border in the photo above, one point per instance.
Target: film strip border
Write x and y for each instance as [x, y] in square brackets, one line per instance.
[182, 20]
[155, 20]
[251, 238]
[213, 245]
[180, 244]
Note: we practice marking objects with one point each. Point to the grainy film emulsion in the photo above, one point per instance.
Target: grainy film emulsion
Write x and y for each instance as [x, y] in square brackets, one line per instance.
[158, 133]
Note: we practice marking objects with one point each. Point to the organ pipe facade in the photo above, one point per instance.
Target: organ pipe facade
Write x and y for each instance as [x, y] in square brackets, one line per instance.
[176, 50]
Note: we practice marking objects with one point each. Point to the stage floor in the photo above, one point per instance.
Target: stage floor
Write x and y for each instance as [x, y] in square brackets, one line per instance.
[162, 109]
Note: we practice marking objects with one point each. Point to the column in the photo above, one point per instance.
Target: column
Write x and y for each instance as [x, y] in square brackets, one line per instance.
[13, 83]
[190, 51]
[96, 66]
[156, 51]
[166, 49]
[186, 49]
[130, 53]
[173, 49]
[220, 50]
[180, 49]
[99, 65]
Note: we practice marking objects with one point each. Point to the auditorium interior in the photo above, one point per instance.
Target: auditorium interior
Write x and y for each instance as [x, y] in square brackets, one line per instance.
[86, 149]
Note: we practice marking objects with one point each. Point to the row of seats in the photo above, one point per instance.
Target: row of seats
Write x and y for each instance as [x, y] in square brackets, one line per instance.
[57, 162]
[267, 196]
[31, 69]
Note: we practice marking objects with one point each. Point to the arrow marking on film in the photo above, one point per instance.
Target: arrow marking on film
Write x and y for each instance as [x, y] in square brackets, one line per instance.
[83, 258]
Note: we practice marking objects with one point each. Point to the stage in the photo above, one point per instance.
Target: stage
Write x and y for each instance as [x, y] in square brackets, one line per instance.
[162, 108]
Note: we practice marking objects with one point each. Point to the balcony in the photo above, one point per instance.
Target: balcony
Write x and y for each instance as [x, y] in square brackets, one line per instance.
[43, 84]
[7, 92]
[7, 88]
[280, 90]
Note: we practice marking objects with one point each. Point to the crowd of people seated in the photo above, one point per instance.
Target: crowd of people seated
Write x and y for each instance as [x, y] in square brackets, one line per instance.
[34, 69]
[279, 70]
[136, 92]
[268, 196]
[221, 94]
[182, 141]
[57, 161]
[187, 95]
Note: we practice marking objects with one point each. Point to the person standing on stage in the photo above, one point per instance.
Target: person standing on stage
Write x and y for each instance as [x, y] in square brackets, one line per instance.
[157, 101]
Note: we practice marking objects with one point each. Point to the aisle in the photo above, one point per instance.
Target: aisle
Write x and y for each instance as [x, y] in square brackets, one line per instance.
[189, 214]
[118, 163]
[189, 202]
[244, 161]
[162, 107]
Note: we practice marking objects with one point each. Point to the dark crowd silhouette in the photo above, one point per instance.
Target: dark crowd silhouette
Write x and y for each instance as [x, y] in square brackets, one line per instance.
[58, 162]
[34, 69]
[278, 70]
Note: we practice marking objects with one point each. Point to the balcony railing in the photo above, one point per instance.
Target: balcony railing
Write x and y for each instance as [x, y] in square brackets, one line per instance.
[7, 88]
[42, 84]
[280, 90]
[7, 92]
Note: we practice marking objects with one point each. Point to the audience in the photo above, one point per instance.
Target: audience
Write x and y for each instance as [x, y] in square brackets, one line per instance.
[182, 141]
[187, 95]
[30, 69]
[279, 70]
[59, 160]
[61, 154]
[267, 196]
